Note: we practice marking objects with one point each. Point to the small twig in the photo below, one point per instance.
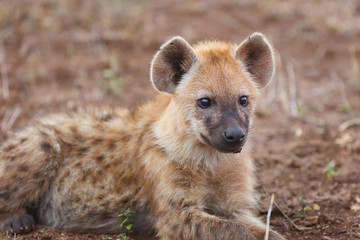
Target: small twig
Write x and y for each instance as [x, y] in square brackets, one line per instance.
[349, 123]
[286, 216]
[4, 75]
[271, 91]
[9, 120]
[283, 96]
[295, 157]
[5, 82]
[340, 86]
[14, 116]
[5, 120]
[268, 218]
[292, 90]
[354, 62]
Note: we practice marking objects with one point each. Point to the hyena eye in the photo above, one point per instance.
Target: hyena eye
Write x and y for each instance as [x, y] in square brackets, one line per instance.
[244, 101]
[204, 102]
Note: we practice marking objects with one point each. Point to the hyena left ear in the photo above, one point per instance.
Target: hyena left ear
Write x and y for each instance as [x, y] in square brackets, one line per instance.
[258, 57]
[170, 63]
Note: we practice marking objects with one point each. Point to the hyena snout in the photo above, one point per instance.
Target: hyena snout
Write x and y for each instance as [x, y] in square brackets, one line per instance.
[228, 139]
[234, 134]
[232, 139]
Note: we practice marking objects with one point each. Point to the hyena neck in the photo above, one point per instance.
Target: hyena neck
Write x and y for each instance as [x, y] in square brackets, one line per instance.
[174, 135]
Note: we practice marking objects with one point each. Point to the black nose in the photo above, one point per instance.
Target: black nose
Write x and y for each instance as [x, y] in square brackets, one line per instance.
[234, 133]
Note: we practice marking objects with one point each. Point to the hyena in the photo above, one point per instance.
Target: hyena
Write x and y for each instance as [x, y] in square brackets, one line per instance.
[181, 162]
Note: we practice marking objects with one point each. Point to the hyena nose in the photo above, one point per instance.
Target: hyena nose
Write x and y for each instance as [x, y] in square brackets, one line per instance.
[234, 133]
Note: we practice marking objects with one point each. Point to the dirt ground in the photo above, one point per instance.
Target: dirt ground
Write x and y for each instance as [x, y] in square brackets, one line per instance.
[66, 55]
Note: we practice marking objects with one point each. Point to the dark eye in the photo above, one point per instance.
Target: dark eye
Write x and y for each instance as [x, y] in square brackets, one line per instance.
[244, 101]
[204, 102]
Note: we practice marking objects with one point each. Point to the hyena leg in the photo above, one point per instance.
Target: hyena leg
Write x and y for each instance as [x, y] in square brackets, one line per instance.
[28, 162]
[193, 224]
[184, 220]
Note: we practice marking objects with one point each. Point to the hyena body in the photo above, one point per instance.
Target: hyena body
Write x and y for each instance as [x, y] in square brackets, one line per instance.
[180, 162]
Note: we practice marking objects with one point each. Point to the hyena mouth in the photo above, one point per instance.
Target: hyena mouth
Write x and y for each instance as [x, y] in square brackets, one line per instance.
[223, 149]
[239, 151]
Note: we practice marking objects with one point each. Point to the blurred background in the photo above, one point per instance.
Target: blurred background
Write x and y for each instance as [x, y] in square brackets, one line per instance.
[66, 55]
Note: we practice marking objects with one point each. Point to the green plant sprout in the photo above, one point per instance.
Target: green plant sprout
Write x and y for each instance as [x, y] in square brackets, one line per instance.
[125, 217]
[330, 170]
[113, 82]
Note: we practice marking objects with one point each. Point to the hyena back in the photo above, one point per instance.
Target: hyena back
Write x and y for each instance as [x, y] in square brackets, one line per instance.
[181, 162]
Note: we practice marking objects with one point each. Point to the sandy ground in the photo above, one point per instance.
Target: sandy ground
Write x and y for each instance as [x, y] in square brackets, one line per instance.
[66, 55]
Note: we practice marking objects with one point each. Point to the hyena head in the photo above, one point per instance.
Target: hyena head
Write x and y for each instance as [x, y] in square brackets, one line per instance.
[215, 85]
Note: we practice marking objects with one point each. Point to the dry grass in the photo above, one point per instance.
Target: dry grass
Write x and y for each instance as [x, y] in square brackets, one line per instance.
[268, 217]
[10, 118]
[4, 74]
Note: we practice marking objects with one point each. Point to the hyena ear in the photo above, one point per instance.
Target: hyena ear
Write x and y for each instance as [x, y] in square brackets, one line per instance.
[170, 63]
[257, 55]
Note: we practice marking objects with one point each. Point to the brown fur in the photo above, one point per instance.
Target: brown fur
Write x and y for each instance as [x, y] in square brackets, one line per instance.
[165, 160]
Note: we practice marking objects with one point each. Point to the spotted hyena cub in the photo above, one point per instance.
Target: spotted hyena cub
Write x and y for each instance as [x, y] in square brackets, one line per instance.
[181, 162]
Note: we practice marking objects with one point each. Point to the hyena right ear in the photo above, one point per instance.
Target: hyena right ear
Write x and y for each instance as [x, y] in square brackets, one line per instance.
[170, 63]
[257, 55]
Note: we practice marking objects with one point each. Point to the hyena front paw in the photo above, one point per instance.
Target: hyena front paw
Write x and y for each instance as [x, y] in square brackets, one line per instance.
[16, 222]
